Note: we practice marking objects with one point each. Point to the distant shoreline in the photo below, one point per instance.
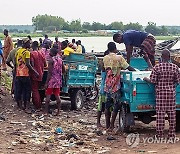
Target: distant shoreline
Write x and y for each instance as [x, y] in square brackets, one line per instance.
[21, 35]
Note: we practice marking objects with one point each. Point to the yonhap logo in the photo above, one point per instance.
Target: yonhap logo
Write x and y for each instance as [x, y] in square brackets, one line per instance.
[133, 140]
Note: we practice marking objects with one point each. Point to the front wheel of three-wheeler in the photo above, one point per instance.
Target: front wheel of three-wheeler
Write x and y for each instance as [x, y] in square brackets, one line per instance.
[122, 119]
[94, 93]
[177, 121]
[77, 99]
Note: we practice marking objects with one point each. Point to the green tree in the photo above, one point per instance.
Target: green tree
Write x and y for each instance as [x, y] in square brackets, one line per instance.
[13, 30]
[87, 25]
[174, 31]
[75, 25]
[163, 31]
[27, 31]
[134, 26]
[116, 26]
[97, 26]
[41, 22]
[152, 28]
[66, 26]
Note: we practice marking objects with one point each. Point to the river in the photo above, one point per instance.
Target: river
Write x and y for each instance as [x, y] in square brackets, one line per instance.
[98, 44]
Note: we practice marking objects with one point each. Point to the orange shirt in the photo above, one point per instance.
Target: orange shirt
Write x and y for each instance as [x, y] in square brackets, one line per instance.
[8, 44]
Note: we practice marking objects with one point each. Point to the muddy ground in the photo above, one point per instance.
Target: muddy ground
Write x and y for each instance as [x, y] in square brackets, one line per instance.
[34, 133]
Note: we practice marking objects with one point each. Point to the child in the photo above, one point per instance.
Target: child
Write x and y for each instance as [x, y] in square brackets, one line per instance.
[54, 78]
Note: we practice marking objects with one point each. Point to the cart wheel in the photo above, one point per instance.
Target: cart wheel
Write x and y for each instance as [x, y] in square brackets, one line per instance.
[52, 98]
[177, 121]
[122, 119]
[77, 99]
[94, 93]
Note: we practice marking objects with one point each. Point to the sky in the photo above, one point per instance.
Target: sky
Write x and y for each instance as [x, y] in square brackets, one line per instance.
[161, 12]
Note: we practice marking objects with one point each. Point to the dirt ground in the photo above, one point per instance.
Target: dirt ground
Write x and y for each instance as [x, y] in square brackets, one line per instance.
[35, 133]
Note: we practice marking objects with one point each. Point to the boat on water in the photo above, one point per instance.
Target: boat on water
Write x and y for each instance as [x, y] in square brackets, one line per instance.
[168, 44]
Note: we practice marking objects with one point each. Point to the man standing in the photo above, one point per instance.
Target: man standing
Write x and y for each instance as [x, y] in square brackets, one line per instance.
[11, 58]
[58, 43]
[78, 48]
[66, 48]
[132, 38]
[54, 78]
[8, 46]
[113, 64]
[23, 66]
[38, 62]
[74, 44]
[83, 48]
[165, 76]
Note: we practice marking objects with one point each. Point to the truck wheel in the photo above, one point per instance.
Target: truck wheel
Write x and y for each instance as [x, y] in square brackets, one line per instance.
[122, 119]
[177, 121]
[77, 99]
[94, 93]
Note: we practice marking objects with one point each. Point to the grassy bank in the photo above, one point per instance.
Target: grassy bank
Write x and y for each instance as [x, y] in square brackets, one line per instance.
[74, 35]
[165, 37]
[55, 34]
[6, 81]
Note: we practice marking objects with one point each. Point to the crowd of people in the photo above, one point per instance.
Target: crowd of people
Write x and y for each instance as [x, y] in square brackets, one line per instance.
[30, 59]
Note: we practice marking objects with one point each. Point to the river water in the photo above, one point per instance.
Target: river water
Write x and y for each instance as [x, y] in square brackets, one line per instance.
[98, 44]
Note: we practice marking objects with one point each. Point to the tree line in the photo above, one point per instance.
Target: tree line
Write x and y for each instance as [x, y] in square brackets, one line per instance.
[48, 23]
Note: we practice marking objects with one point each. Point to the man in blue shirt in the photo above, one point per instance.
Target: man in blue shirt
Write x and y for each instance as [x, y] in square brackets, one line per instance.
[132, 38]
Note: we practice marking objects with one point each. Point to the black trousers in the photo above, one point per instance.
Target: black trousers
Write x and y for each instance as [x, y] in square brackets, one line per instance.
[23, 88]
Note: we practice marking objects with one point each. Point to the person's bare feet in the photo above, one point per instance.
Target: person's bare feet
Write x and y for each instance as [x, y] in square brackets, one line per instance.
[27, 110]
[57, 113]
[99, 125]
[110, 129]
[117, 131]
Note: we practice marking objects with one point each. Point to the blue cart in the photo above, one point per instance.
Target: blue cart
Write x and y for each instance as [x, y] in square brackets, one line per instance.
[138, 101]
[79, 80]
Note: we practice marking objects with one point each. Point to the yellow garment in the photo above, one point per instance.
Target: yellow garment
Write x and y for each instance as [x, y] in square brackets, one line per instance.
[67, 51]
[115, 63]
[79, 49]
[21, 56]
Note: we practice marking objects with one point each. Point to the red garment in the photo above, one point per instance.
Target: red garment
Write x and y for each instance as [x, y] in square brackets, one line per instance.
[55, 91]
[36, 99]
[38, 59]
[112, 83]
[165, 76]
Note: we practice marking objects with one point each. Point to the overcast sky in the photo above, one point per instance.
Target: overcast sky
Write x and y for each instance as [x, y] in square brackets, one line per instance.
[162, 12]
